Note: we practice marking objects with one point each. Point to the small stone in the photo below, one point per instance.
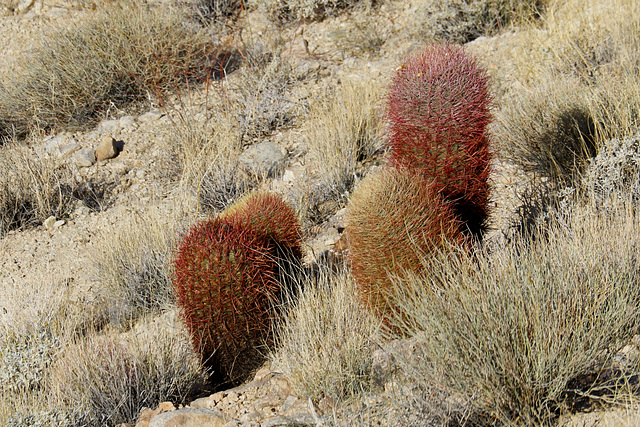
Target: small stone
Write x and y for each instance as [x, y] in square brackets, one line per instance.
[262, 373]
[264, 159]
[107, 149]
[127, 121]
[232, 397]
[251, 416]
[109, 126]
[24, 6]
[49, 222]
[381, 368]
[85, 157]
[59, 223]
[208, 402]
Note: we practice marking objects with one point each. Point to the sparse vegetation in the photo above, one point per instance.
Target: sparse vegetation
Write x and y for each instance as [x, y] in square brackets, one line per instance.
[517, 331]
[325, 341]
[32, 188]
[461, 21]
[134, 266]
[121, 53]
[110, 378]
[284, 11]
[344, 134]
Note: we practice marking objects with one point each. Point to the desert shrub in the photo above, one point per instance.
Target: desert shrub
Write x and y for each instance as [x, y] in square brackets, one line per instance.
[394, 218]
[344, 137]
[515, 330]
[133, 265]
[283, 11]
[325, 340]
[32, 188]
[206, 147]
[264, 99]
[615, 171]
[548, 130]
[438, 112]
[121, 53]
[110, 379]
[223, 184]
[24, 360]
[461, 21]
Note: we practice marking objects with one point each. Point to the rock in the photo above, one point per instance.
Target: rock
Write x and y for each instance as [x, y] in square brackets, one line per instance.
[59, 223]
[150, 116]
[52, 143]
[67, 149]
[127, 121]
[109, 126]
[49, 222]
[24, 6]
[264, 159]
[107, 149]
[188, 417]
[85, 157]
[146, 413]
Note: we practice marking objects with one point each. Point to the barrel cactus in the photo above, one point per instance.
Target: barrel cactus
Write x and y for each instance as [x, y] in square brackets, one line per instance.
[394, 219]
[229, 281]
[438, 112]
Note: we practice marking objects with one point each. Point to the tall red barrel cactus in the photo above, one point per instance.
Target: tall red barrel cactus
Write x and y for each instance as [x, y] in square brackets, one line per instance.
[438, 112]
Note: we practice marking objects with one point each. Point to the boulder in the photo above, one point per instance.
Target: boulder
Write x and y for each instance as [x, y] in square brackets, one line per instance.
[264, 159]
[85, 157]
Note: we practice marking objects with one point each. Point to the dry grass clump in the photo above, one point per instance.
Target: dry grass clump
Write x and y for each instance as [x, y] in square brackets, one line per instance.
[32, 188]
[121, 53]
[206, 147]
[133, 265]
[615, 172]
[109, 379]
[325, 340]
[518, 331]
[210, 133]
[460, 21]
[344, 136]
[211, 11]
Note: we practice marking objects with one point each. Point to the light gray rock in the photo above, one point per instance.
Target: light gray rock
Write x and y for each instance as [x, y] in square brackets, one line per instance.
[107, 148]
[109, 126]
[264, 159]
[188, 417]
[67, 149]
[52, 143]
[127, 121]
[24, 6]
[150, 116]
[49, 222]
[85, 157]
